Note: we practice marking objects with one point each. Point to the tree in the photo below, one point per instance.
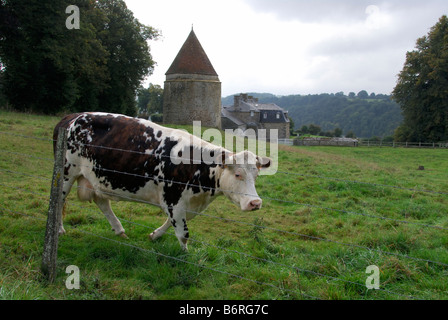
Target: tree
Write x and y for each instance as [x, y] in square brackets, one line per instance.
[155, 103]
[314, 129]
[422, 88]
[363, 94]
[49, 68]
[142, 100]
[304, 129]
[350, 134]
[150, 100]
[130, 60]
[337, 132]
[291, 125]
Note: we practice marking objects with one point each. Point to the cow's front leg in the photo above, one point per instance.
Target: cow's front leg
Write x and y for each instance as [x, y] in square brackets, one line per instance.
[181, 229]
[178, 220]
[160, 231]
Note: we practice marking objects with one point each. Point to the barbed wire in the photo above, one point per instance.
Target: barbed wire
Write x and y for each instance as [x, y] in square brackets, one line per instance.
[243, 253]
[188, 184]
[172, 257]
[263, 227]
[188, 159]
[218, 247]
[268, 198]
[361, 182]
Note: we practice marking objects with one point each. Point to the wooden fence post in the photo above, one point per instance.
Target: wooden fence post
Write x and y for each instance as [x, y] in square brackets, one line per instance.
[50, 252]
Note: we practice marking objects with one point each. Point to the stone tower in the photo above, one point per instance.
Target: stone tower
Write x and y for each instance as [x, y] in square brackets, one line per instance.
[192, 90]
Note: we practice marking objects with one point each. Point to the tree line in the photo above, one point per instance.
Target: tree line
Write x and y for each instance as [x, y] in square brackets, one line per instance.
[46, 67]
[150, 102]
[361, 114]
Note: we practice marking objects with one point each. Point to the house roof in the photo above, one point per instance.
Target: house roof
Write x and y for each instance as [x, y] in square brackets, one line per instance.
[273, 116]
[269, 106]
[192, 59]
[228, 115]
[243, 107]
[266, 112]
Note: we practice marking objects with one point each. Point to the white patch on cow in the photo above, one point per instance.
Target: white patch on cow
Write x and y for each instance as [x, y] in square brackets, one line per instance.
[237, 180]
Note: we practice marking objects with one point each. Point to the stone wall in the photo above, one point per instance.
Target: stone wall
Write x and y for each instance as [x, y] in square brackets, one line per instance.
[194, 98]
[283, 129]
[342, 142]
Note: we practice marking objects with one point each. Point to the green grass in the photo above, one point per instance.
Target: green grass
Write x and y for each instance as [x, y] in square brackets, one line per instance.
[310, 242]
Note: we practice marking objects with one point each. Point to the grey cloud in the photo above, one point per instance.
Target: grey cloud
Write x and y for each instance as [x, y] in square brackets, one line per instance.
[342, 11]
[313, 11]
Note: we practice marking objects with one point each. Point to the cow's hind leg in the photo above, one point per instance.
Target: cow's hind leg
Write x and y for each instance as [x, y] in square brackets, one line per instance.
[104, 205]
[66, 187]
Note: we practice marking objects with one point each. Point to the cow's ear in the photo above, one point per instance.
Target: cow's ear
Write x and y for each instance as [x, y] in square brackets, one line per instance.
[263, 162]
[223, 159]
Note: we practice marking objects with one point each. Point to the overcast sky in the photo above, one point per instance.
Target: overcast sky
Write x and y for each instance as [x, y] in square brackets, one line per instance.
[293, 46]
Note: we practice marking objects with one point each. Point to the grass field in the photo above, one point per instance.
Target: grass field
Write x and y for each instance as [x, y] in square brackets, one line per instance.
[327, 215]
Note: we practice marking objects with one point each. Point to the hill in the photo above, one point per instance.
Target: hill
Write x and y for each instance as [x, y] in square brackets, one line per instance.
[365, 115]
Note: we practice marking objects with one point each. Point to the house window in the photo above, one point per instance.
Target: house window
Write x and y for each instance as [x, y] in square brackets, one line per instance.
[265, 115]
[251, 113]
[278, 115]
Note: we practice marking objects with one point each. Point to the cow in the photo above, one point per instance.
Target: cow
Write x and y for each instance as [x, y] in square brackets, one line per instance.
[120, 158]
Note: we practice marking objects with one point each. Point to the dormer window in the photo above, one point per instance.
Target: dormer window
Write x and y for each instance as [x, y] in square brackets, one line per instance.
[278, 115]
[252, 113]
[265, 115]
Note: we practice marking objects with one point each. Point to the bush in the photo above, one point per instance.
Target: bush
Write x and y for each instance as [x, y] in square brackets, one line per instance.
[157, 117]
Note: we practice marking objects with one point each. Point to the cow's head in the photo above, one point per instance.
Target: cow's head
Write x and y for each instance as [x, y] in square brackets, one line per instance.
[237, 180]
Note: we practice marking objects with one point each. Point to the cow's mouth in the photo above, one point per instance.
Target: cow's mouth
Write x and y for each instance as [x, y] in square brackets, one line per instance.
[252, 205]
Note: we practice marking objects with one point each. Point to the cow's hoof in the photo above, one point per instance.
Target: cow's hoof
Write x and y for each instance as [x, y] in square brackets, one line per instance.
[123, 235]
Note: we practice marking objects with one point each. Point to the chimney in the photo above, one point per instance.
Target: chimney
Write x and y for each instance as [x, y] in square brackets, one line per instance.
[236, 102]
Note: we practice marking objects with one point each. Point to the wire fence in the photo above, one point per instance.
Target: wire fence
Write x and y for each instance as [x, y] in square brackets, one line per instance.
[253, 225]
[393, 144]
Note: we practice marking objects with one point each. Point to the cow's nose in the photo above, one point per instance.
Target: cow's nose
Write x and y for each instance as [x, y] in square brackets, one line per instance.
[255, 204]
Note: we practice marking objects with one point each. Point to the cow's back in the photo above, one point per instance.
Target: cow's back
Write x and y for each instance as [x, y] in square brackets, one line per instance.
[64, 123]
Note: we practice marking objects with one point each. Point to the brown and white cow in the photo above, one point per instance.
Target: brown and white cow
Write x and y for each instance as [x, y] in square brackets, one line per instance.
[114, 157]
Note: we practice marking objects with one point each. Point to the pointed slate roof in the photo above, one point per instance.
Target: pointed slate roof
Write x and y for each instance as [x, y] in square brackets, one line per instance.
[192, 59]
